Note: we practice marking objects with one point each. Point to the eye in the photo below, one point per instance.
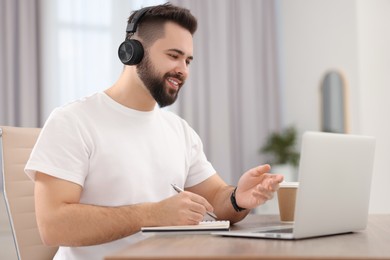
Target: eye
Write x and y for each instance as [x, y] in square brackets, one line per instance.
[174, 56]
[188, 62]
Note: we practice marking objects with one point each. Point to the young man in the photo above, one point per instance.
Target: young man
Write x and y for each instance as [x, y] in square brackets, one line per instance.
[103, 166]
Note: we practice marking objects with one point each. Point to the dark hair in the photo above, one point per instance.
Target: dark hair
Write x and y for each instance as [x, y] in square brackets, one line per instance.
[151, 25]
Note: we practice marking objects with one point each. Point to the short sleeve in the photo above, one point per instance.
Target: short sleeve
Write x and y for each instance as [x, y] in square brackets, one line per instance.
[199, 167]
[61, 149]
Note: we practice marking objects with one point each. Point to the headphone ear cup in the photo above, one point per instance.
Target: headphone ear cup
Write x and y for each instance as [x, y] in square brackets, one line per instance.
[131, 52]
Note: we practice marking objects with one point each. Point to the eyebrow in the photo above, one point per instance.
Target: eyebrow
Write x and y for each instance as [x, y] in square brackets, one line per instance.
[181, 53]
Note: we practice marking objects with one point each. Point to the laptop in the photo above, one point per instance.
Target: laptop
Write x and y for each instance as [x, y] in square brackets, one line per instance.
[334, 188]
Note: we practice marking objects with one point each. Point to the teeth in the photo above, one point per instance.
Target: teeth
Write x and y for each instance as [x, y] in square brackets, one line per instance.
[174, 82]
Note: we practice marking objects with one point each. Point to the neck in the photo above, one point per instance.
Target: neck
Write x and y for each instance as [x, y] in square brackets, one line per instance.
[130, 91]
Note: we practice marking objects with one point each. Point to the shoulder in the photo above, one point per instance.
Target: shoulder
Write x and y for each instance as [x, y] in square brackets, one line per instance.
[85, 103]
[78, 108]
[75, 116]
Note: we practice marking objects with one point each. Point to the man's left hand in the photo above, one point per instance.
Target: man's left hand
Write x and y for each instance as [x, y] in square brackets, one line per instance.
[256, 186]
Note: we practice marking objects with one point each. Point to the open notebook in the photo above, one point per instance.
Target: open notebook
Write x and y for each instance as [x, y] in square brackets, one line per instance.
[205, 226]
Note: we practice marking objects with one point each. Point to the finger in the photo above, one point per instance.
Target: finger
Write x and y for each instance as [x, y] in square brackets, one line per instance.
[271, 185]
[260, 170]
[192, 211]
[201, 201]
[195, 218]
[190, 219]
[260, 198]
[267, 186]
[271, 181]
[263, 194]
[198, 208]
[276, 177]
[275, 187]
[262, 188]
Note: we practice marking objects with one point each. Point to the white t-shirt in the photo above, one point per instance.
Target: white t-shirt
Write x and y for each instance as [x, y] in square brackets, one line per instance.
[119, 156]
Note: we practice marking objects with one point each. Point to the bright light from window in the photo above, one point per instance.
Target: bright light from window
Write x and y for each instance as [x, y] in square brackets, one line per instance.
[80, 41]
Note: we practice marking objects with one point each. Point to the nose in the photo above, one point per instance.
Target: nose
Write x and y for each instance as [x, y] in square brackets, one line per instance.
[182, 68]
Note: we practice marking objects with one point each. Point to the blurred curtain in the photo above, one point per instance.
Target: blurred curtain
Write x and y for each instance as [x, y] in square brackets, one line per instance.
[232, 97]
[19, 65]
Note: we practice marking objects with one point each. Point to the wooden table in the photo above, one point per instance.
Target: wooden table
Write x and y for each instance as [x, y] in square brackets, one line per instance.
[372, 243]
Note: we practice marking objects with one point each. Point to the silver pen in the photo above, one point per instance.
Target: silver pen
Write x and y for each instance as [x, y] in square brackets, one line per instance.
[178, 190]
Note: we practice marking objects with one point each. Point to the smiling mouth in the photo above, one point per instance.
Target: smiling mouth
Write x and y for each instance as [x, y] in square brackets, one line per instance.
[174, 83]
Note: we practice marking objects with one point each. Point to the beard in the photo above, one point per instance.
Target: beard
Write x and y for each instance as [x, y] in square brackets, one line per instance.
[156, 84]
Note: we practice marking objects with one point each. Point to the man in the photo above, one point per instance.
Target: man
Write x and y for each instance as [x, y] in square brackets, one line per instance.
[103, 166]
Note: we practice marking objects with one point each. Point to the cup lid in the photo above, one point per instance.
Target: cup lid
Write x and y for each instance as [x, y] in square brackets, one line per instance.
[286, 184]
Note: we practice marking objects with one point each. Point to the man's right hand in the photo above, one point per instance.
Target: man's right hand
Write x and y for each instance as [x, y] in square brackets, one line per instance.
[185, 208]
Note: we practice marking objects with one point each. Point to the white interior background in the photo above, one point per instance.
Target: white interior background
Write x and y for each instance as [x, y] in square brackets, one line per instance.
[315, 36]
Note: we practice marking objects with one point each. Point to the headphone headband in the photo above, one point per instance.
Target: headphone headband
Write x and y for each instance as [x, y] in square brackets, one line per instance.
[131, 51]
[132, 26]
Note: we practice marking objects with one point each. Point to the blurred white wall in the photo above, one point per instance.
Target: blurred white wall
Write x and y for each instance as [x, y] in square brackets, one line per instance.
[315, 36]
[79, 43]
[353, 36]
[374, 92]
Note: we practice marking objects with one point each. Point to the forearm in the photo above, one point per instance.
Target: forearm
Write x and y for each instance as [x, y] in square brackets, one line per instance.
[83, 225]
[223, 207]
